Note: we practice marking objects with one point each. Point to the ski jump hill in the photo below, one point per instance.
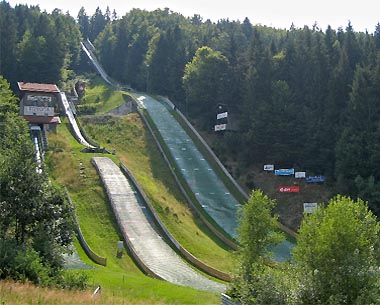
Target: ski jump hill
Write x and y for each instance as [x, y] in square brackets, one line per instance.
[141, 235]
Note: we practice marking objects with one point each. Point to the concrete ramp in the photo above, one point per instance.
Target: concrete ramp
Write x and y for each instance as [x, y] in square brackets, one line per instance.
[73, 122]
[141, 234]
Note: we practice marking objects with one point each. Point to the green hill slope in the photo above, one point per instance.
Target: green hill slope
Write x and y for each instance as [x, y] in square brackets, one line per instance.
[135, 148]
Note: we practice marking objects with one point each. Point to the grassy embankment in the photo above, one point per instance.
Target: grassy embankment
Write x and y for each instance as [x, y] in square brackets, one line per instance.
[135, 148]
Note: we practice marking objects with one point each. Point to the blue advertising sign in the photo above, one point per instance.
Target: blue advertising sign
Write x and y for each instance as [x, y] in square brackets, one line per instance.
[284, 172]
[315, 179]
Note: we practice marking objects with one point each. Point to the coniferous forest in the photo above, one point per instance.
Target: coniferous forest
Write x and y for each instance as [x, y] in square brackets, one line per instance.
[302, 97]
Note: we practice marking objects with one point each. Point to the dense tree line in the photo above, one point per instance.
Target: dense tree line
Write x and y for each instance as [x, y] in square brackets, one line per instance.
[303, 98]
[36, 46]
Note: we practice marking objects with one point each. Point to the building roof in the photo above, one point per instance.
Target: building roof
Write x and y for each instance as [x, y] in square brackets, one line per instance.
[42, 119]
[34, 87]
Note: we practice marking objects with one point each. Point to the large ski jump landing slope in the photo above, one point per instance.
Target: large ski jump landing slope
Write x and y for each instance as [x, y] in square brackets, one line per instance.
[213, 195]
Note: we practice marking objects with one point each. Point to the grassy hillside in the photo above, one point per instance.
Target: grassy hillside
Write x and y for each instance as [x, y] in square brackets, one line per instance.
[121, 278]
[135, 148]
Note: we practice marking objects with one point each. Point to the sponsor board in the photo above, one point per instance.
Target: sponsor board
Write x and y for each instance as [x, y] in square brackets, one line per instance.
[300, 175]
[310, 207]
[220, 127]
[221, 115]
[38, 98]
[38, 111]
[284, 172]
[269, 167]
[315, 179]
[289, 189]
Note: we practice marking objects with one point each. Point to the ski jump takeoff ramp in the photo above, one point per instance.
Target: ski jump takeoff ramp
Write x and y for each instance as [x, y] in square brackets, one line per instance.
[141, 234]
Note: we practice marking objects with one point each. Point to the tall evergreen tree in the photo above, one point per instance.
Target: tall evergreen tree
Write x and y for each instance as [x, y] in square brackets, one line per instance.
[84, 23]
[8, 40]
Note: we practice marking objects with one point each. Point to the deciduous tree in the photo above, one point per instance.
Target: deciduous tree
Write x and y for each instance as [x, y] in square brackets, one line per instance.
[337, 255]
[258, 231]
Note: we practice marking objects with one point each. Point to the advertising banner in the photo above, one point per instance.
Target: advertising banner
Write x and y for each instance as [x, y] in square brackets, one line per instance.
[284, 172]
[289, 189]
[315, 179]
[220, 127]
[38, 111]
[309, 207]
[300, 175]
[39, 98]
[269, 167]
[221, 115]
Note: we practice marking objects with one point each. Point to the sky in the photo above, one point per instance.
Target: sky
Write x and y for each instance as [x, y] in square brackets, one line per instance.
[363, 15]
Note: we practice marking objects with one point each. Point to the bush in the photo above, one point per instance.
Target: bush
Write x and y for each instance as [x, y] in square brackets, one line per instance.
[87, 109]
[22, 263]
[73, 280]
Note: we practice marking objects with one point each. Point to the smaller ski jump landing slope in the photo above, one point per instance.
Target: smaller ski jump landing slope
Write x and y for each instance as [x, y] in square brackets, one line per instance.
[141, 234]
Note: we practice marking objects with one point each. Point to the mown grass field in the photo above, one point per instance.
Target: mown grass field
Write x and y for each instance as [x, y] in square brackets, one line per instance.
[121, 279]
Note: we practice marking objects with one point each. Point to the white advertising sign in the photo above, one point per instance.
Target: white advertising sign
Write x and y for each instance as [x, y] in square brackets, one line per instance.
[309, 207]
[221, 115]
[269, 167]
[300, 175]
[38, 111]
[220, 127]
[38, 98]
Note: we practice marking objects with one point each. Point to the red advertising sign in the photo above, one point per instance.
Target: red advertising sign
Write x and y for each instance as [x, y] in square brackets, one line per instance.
[289, 189]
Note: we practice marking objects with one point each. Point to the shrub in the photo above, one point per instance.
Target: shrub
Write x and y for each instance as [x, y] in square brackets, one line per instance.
[21, 263]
